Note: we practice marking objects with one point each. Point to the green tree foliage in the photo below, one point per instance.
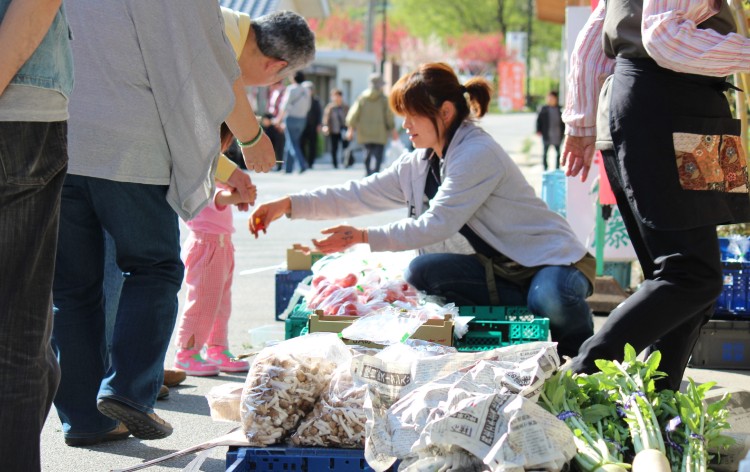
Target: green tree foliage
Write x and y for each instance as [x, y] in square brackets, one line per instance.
[452, 18]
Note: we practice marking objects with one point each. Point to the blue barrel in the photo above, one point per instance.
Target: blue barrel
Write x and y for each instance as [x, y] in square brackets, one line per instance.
[555, 190]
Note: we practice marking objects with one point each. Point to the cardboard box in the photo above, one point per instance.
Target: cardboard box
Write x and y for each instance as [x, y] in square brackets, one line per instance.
[436, 331]
[301, 259]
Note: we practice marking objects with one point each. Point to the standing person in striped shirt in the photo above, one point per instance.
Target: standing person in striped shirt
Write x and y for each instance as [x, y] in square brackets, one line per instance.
[673, 155]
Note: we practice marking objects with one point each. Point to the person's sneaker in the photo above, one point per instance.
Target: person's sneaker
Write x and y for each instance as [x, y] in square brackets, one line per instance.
[173, 377]
[120, 432]
[191, 362]
[225, 361]
[141, 425]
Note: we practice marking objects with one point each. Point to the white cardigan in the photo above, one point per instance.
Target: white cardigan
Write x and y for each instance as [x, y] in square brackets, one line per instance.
[481, 186]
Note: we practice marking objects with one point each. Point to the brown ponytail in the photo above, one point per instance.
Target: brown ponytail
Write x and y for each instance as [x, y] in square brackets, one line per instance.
[479, 91]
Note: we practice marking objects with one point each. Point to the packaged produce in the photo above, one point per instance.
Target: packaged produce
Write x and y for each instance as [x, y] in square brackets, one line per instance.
[408, 391]
[224, 402]
[338, 418]
[284, 383]
[355, 283]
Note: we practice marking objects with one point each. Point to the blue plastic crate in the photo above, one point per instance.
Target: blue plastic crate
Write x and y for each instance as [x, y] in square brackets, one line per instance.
[286, 283]
[733, 301]
[735, 248]
[304, 459]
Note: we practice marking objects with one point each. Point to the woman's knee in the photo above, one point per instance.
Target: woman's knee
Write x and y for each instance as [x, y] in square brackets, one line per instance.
[559, 293]
[415, 273]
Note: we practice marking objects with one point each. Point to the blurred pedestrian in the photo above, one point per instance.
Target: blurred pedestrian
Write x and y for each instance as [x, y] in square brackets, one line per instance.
[334, 124]
[276, 136]
[309, 141]
[673, 155]
[372, 120]
[36, 79]
[275, 92]
[550, 126]
[292, 118]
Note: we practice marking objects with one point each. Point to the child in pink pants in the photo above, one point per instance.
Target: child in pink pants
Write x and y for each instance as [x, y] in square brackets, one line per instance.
[209, 265]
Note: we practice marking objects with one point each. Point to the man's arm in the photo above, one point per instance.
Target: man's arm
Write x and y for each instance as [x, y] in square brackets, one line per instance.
[22, 29]
[244, 125]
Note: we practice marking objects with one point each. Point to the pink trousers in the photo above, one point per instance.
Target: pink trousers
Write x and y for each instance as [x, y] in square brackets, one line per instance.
[209, 267]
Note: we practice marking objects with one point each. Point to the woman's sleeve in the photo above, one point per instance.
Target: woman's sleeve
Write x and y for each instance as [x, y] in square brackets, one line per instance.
[472, 176]
[673, 40]
[379, 192]
[589, 66]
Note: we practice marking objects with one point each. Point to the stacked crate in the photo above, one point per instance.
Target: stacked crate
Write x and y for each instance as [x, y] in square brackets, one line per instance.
[307, 459]
[286, 284]
[724, 342]
[498, 326]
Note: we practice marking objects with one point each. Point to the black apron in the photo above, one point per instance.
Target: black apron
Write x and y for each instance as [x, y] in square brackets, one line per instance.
[678, 149]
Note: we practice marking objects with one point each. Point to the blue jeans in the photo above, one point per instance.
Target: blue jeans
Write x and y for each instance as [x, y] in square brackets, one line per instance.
[33, 159]
[146, 235]
[555, 292]
[293, 129]
[113, 280]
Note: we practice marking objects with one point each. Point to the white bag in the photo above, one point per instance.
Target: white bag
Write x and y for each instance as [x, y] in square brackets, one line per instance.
[395, 149]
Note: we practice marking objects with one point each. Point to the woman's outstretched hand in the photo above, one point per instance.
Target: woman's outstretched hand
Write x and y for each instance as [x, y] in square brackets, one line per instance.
[265, 213]
[339, 238]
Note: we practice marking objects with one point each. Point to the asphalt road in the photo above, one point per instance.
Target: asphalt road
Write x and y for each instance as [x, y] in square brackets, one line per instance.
[253, 300]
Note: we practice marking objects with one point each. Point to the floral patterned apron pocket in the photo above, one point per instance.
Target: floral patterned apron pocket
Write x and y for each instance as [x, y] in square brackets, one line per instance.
[712, 160]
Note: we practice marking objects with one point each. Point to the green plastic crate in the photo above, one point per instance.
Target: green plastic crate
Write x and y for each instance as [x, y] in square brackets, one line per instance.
[500, 313]
[496, 327]
[296, 321]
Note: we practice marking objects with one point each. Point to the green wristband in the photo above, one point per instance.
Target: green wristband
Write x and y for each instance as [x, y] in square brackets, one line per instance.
[252, 142]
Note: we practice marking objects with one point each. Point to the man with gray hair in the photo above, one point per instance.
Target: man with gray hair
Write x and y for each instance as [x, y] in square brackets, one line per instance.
[156, 81]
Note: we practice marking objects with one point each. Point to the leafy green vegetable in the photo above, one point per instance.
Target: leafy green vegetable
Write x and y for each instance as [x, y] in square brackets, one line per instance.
[617, 413]
[631, 382]
[563, 397]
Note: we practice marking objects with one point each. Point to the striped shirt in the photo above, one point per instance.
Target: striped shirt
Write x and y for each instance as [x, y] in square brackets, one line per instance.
[671, 38]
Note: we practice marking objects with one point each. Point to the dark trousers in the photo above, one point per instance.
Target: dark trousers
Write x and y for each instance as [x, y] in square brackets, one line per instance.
[545, 147]
[309, 145]
[683, 278]
[335, 139]
[33, 160]
[373, 152]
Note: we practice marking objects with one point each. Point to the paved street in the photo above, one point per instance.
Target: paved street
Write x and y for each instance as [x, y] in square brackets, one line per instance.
[253, 300]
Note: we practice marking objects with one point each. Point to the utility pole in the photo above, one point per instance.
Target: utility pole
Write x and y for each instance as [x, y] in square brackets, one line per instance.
[383, 49]
[369, 25]
[528, 53]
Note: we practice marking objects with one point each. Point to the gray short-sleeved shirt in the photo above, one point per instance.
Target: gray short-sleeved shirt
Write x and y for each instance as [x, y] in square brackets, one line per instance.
[153, 84]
